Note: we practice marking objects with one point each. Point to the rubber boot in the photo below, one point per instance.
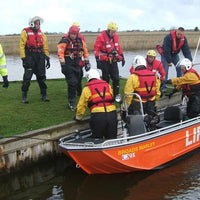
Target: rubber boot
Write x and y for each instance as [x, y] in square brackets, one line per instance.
[72, 104]
[44, 96]
[115, 91]
[24, 97]
[5, 80]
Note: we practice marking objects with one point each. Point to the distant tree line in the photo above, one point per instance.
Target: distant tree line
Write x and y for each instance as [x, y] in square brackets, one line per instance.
[98, 31]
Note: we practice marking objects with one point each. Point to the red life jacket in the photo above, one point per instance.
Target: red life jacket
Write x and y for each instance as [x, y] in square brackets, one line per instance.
[174, 47]
[155, 67]
[111, 47]
[147, 87]
[193, 87]
[34, 41]
[101, 96]
[74, 48]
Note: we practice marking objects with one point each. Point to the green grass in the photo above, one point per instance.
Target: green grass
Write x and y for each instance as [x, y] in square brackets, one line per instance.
[17, 118]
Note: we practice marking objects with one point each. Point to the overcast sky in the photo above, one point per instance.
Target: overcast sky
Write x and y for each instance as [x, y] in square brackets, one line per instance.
[92, 15]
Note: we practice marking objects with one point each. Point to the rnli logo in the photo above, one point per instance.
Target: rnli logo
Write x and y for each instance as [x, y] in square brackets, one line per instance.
[128, 156]
[192, 138]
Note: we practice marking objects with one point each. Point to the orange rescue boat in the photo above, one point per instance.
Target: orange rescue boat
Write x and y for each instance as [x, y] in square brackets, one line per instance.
[146, 142]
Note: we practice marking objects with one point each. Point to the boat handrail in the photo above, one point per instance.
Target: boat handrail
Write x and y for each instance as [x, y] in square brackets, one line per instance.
[135, 138]
[140, 100]
[154, 133]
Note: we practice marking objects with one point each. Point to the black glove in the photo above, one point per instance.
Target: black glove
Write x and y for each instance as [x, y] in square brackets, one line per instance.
[98, 62]
[87, 66]
[24, 64]
[162, 83]
[169, 81]
[123, 61]
[47, 62]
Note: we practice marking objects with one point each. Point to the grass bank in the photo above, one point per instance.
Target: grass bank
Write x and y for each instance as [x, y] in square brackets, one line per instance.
[17, 118]
[130, 41]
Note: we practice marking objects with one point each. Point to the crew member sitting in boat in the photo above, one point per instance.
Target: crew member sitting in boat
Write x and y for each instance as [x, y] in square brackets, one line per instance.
[189, 83]
[98, 96]
[146, 84]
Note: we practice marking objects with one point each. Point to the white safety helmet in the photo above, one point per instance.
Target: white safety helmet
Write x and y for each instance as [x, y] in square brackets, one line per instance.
[32, 20]
[187, 63]
[139, 61]
[92, 74]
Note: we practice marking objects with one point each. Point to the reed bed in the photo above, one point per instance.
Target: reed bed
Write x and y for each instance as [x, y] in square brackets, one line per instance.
[130, 41]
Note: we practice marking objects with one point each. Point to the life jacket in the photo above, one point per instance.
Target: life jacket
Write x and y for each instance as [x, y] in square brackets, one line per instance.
[101, 96]
[192, 88]
[156, 67]
[2, 58]
[111, 48]
[174, 47]
[74, 48]
[147, 87]
[35, 40]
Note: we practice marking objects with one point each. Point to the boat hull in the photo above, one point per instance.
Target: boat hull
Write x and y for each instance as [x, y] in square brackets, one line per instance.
[144, 155]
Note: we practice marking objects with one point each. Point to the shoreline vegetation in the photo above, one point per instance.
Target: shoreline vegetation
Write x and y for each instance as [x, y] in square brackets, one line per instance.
[130, 41]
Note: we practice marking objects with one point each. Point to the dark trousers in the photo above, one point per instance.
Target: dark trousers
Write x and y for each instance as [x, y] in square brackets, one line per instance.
[72, 72]
[79, 88]
[35, 64]
[104, 125]
[110, 70]
[193, 105]
[135, 107]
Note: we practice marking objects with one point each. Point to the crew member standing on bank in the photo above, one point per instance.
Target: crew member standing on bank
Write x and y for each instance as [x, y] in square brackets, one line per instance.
[3, 69]
[34, 52]
[79, 87]
[108, 53]
[73, 55]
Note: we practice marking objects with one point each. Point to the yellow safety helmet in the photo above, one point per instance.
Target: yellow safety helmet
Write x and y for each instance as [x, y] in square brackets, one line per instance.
[76, 24]
[151, 53]
[112, 26]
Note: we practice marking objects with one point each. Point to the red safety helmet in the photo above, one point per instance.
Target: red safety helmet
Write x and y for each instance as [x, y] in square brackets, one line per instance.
[74, 29]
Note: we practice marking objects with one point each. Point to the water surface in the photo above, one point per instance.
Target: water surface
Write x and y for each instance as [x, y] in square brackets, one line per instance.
[15, 69]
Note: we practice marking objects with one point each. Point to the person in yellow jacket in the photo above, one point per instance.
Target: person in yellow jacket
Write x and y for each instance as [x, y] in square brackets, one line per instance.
[3, 69]
[146, 84]
[73, 55]
[34, 53]
[189, 83]
[98, 96]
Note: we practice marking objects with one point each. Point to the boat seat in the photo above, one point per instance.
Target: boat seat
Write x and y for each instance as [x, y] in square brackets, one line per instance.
[172, 115]
[135, 124]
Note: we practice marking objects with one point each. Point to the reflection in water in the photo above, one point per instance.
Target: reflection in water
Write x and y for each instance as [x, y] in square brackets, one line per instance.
[59, 179]
[36, 182]
[180, 181]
